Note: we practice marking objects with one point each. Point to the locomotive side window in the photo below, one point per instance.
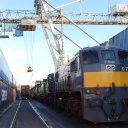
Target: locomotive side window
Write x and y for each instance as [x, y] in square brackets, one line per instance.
[90, 57]
[56, 76]
[108, 55]
[123, 57]
[73, 66]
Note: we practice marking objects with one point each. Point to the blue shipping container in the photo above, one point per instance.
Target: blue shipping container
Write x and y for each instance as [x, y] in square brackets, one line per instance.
[120, 40]
[18, 33]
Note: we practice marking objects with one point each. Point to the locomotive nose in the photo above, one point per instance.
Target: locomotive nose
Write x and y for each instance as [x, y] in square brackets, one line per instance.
[124, 101]
[114, 104]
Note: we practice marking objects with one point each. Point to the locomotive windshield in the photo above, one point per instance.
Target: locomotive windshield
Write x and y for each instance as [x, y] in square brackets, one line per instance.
[90, 57]
[123, 57]
[108, 55]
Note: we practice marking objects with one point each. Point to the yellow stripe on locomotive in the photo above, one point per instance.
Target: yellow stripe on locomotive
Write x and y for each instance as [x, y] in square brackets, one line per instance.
[105, 79]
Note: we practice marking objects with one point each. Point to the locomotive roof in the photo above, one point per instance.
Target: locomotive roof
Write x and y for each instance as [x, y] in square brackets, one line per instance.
[101, 47]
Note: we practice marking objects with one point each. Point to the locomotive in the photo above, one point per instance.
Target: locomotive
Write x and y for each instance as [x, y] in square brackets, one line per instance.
[92, 85]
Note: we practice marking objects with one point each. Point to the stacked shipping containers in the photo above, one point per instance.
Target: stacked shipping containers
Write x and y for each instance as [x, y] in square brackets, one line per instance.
[7, 84]
[120, 40]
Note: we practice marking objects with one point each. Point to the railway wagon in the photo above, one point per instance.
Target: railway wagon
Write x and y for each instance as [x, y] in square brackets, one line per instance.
[40, 90]
[93, 84]
[43, 90]
[37, 89]
[33, 92]
[7, 84]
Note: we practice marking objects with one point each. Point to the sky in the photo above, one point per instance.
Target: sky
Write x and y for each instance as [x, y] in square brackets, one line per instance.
[16, 49]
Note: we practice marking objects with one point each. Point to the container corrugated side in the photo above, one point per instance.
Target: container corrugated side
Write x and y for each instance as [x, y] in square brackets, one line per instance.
[120, 40]
[10, 94]
[5, 72]
[25, 90]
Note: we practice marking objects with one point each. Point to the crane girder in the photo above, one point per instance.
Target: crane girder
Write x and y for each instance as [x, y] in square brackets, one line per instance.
[87, 22]
[15, 16]
[79, 22]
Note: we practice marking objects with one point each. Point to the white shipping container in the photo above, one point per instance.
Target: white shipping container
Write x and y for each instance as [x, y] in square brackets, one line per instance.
[28, 22]
[120, 40]
[120, 9]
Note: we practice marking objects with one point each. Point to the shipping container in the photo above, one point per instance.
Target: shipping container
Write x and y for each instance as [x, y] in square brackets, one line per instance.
[43, 88]
[27, 21]
[120, 10]
[51, 82]
[27, 25]
[120, 40]
[5, 73]
[10, 95]
[18, 33]
[33, 92]
[38, 85]
[38, 82]
[25, 91]
[7, 84]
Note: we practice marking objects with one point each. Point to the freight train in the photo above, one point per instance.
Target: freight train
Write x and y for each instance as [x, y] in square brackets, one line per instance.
[92, 85]
[7, 84]
[39, 90]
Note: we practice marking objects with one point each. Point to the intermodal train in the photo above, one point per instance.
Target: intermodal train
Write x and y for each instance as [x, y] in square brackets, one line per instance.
[92, 85]
[7, 84]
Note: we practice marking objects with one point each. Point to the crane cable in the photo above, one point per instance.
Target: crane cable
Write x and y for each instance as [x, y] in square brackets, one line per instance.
[26, 48]
[29, 50]
[32, 43]
[73, 23]
[30, 78]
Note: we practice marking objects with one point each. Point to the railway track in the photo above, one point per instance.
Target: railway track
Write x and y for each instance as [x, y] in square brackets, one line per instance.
[26, 116]
[33, 114]
[44, 122]
[15, 116]
[61, 119]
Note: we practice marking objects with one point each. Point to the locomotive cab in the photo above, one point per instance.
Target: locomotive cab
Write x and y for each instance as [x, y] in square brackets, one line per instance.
[92, 85]
[105, 73]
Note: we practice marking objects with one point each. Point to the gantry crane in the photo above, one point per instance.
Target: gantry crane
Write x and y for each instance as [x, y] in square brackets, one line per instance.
[48, 15]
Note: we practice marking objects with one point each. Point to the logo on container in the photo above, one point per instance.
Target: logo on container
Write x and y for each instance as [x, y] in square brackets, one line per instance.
[4, 95]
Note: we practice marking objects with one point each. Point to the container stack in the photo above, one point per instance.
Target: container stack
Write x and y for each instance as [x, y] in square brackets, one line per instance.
[7, 84]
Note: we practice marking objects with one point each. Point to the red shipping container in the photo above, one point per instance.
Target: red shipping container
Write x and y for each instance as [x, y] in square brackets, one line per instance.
[25, 91]
[10, 95]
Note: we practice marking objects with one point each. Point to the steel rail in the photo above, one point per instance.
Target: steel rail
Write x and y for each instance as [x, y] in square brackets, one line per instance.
[15, 117]
[39, 116]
